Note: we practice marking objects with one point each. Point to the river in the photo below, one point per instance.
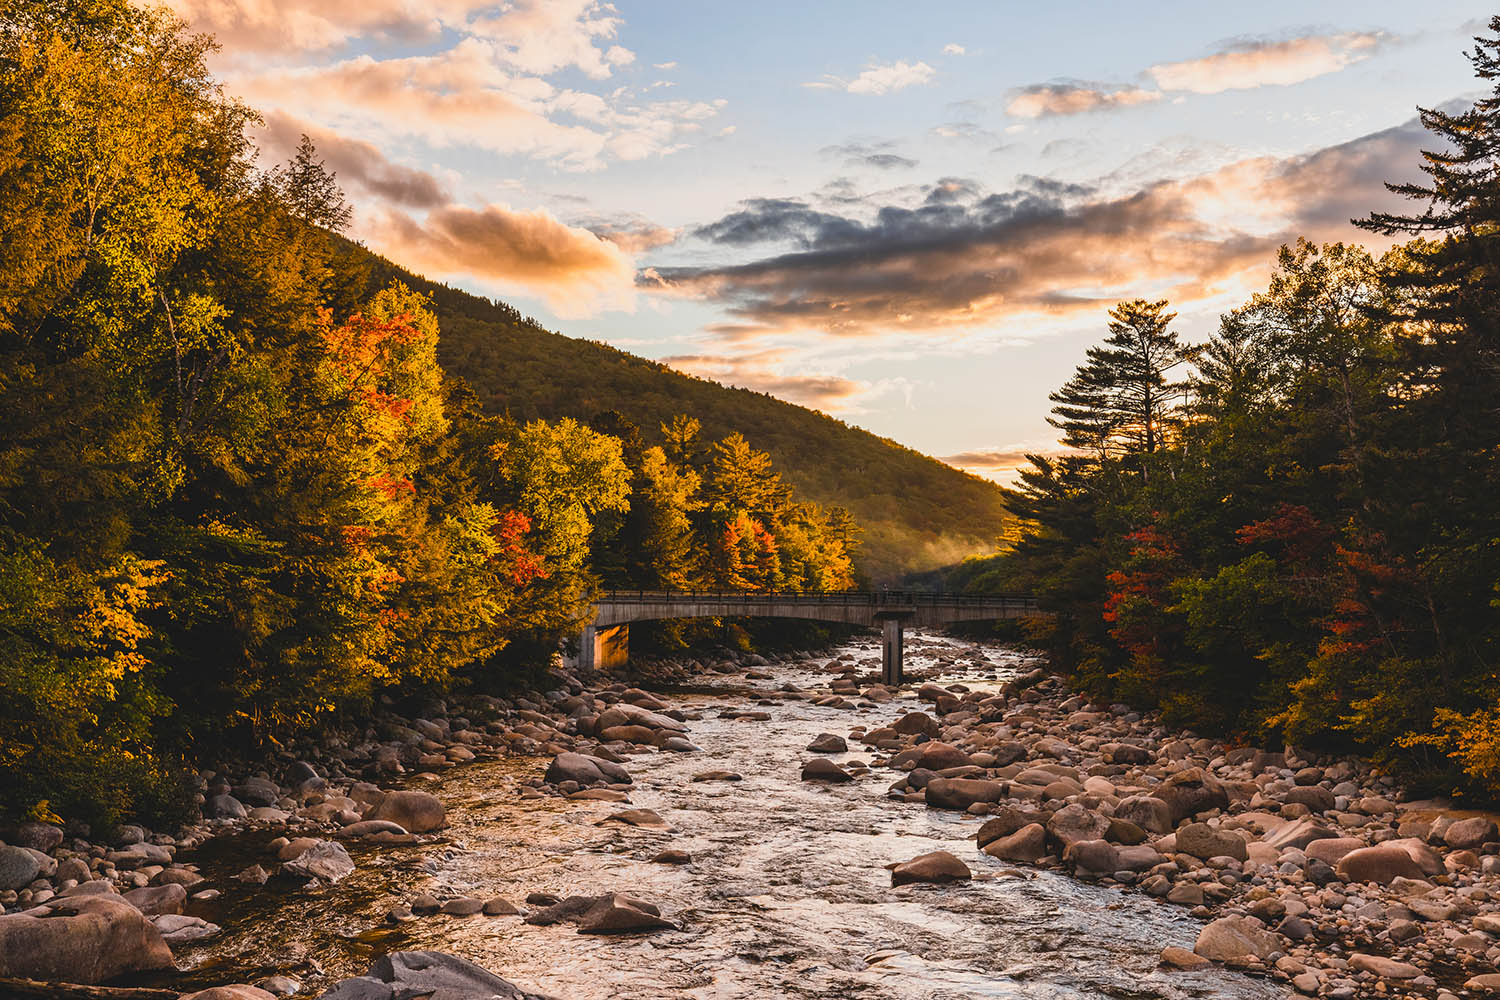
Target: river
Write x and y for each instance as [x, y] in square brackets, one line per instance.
[787, 894]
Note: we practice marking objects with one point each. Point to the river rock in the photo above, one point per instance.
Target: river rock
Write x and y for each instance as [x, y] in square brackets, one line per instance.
[621, 914]
[646, 818]
[1471, 834]
[585, 770]
[1181, 958]
[936, 867]
[80, 939]
[431, 974]
[1229, 938]
[238, 991]
[417, 812]
[1385, 968]
[325, 860]
[1299, 834]
[1028, 845]
[1190, 792]
[1097, 857]
[828, 743]
[179, 928]
[823, 769]
[42, 837]
[1073, 823]
[462, 906]
[915, 724]
[940, 756]
[371, 827]
[1331, 850]
[155, 900]
[499, 907]
[1379, 864]
[1203, 841]
[224, 807]
[1315, 797]
[1147, 812]
[960, 793]
[18, 867]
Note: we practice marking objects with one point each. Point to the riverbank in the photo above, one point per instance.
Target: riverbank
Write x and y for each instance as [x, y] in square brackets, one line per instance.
[772, 883]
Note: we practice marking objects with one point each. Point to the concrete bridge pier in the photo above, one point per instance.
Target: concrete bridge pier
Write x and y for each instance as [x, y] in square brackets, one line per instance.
[603, 648]
[892, 655]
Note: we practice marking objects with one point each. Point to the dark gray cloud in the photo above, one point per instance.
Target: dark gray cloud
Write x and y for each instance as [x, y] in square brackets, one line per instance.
[878, 155]
[962, 256]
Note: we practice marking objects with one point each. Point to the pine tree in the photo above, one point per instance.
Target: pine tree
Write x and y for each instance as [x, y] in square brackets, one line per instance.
[312, 190]
[1119, 404]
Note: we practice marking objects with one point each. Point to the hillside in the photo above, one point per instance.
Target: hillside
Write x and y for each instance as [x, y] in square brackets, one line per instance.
[917, 513]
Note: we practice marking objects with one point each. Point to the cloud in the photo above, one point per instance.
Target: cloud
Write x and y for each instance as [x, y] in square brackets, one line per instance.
[543, 36]
[1001, 462]
[953, 49]
[879, 78]
[631, 233]
[876, 155]
[460, 96]
[1255, 62]
[757, 372]
[575, 271]
[356, 163]
[964, 257]
[1047, 100]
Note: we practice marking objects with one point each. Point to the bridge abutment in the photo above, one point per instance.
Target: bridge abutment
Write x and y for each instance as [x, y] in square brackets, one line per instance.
[603, 648]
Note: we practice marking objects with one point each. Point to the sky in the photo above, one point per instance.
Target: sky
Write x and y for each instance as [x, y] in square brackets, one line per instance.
[913, 217]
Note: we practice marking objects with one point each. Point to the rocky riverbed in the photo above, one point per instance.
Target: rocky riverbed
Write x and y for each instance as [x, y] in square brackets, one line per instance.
[747, 829]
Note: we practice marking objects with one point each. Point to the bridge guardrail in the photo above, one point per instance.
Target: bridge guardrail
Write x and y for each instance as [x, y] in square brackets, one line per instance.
[880, 598]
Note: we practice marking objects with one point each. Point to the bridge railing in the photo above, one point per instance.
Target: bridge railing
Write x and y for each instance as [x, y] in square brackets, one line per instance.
[878, 598]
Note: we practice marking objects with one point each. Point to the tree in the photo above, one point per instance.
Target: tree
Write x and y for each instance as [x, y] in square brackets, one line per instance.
[312, 191]
[1120, 404]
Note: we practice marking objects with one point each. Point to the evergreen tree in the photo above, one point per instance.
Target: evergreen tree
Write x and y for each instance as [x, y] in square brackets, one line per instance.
[312, 191]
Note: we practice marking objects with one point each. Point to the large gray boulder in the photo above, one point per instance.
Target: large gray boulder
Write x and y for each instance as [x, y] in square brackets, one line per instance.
[80, 939]
[960, 793]
[1147, 812]
[18, 867]
[1191, 791]
[1203, 841]
[1230, 938]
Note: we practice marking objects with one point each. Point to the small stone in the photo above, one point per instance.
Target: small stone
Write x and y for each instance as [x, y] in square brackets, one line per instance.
[1181, 958]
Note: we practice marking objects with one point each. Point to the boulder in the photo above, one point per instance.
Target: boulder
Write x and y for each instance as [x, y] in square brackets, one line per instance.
[1315, 797]
[235, 992]
[417, 812]
[1098, 857]
[1385, 968]
[823, 769]
[585, 770]
[435, 975]
[1298, 834]
[80, 939]
[157, 899]
[1073, 823]
[179, 928]
[828, 743]
[1229, 938]
[938, 867]
[1203, 841]
[621, 914]
[1005, 821]
[960, 793]
[42, 837]
[1379, 864]
[18, 868]
[1331, 850]
[941, 756]
[1028, 845]
[325, 860]
[915, 724]
[1471, 834]
[1147, 812]
[1190, 792]
[224, 807]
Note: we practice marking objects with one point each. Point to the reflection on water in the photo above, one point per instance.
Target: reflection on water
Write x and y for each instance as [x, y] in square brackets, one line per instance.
[787, 894]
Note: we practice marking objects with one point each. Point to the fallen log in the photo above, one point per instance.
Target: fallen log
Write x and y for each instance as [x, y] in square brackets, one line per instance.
[77, 991]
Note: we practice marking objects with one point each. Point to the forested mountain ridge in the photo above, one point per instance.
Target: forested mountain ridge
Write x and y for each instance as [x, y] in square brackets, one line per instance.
[916, 513]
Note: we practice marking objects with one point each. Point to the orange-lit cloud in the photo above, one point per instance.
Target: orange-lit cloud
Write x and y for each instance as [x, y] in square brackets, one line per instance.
[765, 371]
[1259, 62]
[1046, 100]
[355, 163]
[964, 257]
[576, 272]
[462, 96]
[1002, 462]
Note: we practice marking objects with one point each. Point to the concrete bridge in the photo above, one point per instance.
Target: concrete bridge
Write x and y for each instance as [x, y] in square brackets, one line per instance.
[606, 640]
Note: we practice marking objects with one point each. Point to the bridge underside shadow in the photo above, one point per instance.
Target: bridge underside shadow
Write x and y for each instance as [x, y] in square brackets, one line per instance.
[605, 642]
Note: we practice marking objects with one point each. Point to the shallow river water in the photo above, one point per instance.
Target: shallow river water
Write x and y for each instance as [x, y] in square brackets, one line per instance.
[787, 894]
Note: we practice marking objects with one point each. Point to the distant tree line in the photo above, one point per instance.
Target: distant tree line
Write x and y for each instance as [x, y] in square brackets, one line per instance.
[239, 498]
[1292, 531]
